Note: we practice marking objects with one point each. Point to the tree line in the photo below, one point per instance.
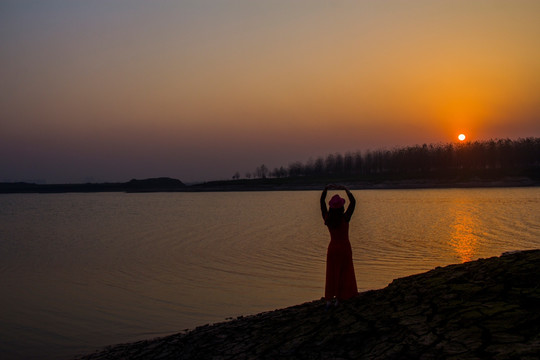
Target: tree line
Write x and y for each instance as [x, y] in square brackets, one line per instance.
[490, 157]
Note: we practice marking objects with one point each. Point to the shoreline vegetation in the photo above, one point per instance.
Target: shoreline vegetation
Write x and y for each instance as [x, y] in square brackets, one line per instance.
[492, 163]
[486, 309]
[270, 184]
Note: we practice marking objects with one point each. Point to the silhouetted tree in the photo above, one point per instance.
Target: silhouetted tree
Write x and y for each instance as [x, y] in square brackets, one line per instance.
[261, 171]
[358, 163]
[296, 169]
[338, 164]
[453, 159]
[348, 163]
[330, 164]
[279, 172]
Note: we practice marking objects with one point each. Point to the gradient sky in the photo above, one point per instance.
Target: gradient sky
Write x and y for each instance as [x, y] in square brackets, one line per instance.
[108, 90]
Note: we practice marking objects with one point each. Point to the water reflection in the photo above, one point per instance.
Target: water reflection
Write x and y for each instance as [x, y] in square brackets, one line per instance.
[142, 265]
[465, 228]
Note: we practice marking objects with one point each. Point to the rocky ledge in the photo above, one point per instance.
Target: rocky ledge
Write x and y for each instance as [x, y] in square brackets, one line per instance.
[486, 309]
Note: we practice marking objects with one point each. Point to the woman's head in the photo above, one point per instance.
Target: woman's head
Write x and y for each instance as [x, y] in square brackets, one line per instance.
[336, 211]
[336, 202]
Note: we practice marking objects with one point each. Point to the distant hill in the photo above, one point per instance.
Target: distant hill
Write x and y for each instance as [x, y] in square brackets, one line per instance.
[154, 184]
[134, 185]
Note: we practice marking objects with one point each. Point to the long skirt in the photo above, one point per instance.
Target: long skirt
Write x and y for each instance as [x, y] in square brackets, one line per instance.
[340, 278]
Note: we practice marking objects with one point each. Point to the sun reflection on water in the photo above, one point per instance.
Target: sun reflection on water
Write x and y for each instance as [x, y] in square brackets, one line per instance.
[466, 225]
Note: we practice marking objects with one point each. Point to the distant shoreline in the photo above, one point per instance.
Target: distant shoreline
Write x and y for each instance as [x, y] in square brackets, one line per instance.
[270, 184]
[373, 185]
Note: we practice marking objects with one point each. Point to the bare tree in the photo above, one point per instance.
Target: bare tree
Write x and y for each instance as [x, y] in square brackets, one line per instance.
[261, 171]
[505, 156]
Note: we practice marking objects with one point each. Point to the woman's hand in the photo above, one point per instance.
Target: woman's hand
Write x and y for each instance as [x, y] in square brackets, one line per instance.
[335, 187]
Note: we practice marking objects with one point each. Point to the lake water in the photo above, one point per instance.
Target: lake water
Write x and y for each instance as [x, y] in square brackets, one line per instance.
[80, 271]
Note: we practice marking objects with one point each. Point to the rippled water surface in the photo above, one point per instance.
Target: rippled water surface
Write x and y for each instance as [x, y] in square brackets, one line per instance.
[79, 271]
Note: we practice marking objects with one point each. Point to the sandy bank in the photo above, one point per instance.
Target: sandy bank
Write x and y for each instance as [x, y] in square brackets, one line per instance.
[488, 308]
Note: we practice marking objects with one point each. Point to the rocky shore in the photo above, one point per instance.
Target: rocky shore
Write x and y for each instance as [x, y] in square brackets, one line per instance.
[485, 309]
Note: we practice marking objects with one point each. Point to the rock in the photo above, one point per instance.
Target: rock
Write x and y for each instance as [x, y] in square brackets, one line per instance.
[487, 308]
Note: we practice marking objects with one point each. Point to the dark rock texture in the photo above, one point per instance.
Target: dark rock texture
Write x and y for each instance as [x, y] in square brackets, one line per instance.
[486, 309]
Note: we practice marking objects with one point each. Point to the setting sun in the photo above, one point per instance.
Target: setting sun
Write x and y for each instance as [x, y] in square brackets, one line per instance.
[461, 137]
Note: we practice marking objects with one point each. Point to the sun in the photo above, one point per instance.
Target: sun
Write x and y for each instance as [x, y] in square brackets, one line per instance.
[461, 137]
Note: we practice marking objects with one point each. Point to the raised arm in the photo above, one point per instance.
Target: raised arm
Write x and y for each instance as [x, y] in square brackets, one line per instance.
[352, 204]
[324, 210]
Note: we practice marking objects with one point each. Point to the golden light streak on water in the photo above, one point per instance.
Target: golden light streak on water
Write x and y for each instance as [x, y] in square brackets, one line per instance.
[464, 241]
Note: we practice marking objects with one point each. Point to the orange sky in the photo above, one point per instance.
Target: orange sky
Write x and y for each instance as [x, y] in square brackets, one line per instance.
[198, 90]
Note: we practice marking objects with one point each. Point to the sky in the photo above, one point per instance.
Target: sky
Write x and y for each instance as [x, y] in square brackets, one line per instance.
[110, 90]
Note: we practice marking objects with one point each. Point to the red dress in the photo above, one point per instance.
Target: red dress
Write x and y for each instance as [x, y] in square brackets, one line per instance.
[340, 278]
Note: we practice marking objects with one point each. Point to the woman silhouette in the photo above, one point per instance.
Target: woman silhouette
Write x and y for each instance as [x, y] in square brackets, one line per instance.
[340, 278]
